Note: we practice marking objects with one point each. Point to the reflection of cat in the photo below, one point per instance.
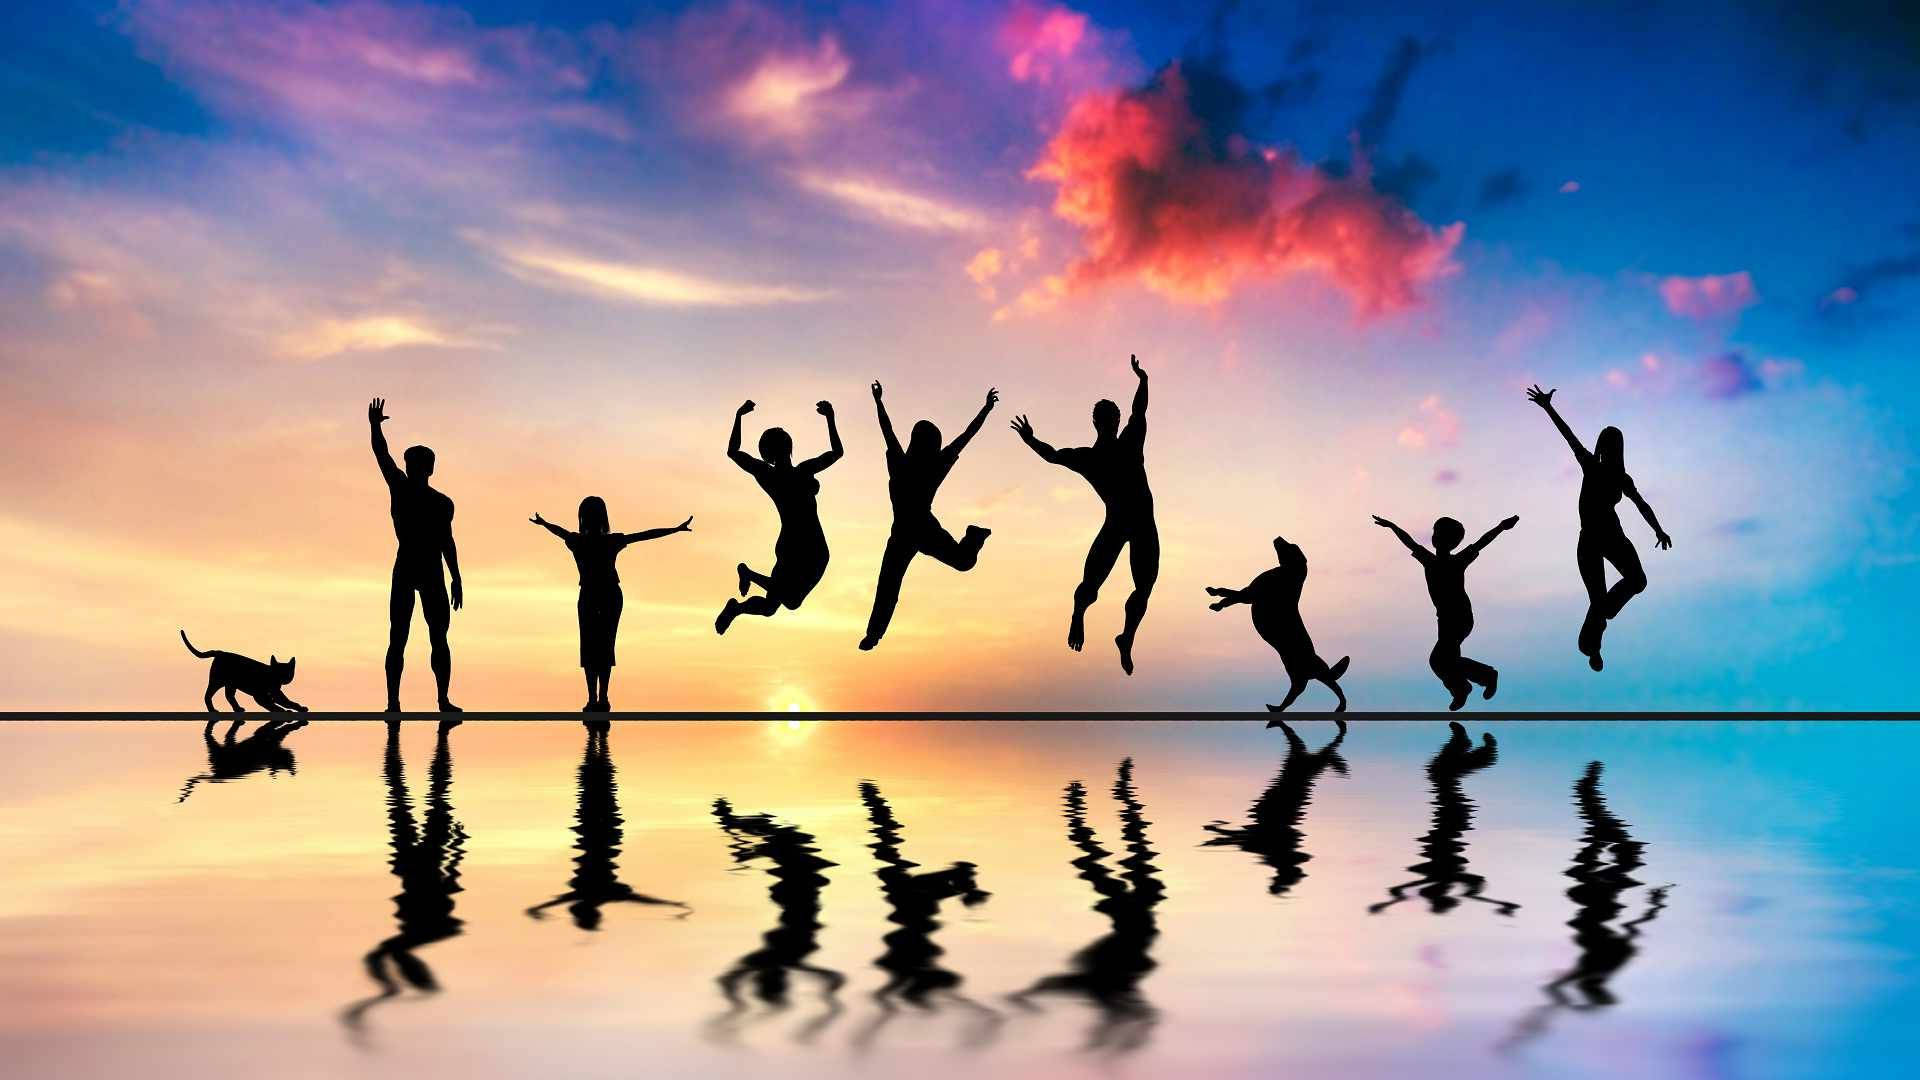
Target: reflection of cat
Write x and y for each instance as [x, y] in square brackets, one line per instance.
[261, 682]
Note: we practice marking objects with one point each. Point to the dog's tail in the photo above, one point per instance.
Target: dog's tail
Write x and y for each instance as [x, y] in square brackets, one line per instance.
[191, 649]
[1338, 669]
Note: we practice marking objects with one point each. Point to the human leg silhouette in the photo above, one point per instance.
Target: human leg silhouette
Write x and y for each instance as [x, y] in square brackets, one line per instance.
[436, 614]
[902, 546]
[1101, 556]
[1143, 557]
[399, 624]
[1597, 548]
[962, 554]
[750, 577]
[1445, 662]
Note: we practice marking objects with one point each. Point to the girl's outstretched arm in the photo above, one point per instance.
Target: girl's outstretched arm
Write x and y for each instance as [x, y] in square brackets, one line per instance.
[1660, 536]
[549, 526]
[655, 534]
[834, 449]
[740, 457]
[1544, 399]
[1412, 544]
[1476, 547]
[960, 442]
[886, 422]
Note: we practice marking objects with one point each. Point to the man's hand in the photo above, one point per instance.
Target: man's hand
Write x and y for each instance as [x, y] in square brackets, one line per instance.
[993, 398]
[377, 412]
[459, 596]
[825, 408]
[537, 519]
[1542, 398]
[1382, 522]
[1137, 369]
[745, 408]
[685, 526]
[876, 390]
[1510, 522]
[1662, 540]
[1025, 429]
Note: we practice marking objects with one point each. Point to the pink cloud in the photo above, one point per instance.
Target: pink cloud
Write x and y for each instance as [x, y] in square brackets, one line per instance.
[1190, 207]
[1711, 296]
[1435, 425]
[1042, 41]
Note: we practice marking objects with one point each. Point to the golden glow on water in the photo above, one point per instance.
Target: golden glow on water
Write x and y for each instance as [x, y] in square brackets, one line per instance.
[141, 932]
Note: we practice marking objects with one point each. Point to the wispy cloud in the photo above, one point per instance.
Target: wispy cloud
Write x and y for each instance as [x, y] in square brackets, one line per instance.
[367, 333]
[897, 206]
[1710, 296]
[642, 283]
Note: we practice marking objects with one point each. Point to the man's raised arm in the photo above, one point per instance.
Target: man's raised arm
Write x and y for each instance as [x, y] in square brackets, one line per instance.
[377, 415]
[979, 418]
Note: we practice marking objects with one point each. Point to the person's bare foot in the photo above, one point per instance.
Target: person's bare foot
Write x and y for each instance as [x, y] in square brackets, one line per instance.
[393, 707]
[1076, 633]
[1594, 661]
[726, 616]
[746, 578]
[1125, 645]
[448, 706]
[867, 643]
[1492, 682]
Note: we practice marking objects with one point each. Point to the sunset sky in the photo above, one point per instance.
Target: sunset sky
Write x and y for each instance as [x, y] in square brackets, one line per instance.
[564, 241]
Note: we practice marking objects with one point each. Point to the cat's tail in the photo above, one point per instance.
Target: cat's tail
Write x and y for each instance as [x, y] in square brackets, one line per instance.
[191, 649]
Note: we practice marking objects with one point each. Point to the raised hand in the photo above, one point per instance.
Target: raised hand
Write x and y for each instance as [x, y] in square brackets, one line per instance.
[745, 408]
[537, 519]
[1542, 398]
[825, 408]
[377, 412]
[685, 526]
[1510, 522]
[993, 397]
[876, 390]
[1383, 522]
[1137, 369]
[1662, 540]
[1021, 425]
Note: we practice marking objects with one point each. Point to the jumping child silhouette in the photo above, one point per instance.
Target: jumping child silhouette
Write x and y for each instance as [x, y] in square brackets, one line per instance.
[1447, 586]
[1603, 479]
[1115, 465]
[914, 475]
[1275, 598]
[594, 551]
[800, 553]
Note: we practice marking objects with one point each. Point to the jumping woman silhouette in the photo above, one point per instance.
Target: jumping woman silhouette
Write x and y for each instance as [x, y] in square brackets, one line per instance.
[800, 554]
[1447, 586]
[594, 551]
[1115, 465]
[1603, 479]
[913, 476]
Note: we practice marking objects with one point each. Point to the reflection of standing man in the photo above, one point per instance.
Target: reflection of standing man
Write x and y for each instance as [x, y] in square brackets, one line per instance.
[423, 525]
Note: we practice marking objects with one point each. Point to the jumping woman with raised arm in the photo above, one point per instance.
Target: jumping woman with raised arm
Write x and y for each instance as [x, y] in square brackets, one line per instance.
[800, 554]
[1603, 479]
[594, 550]
[914, 474]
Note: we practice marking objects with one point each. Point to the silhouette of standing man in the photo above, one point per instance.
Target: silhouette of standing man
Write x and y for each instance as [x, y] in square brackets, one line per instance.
[423, 525]
[1115, 465]
[914, 474]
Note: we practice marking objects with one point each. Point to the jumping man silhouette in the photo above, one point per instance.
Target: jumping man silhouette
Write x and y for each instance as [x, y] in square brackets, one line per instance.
[423, 525]
[1115, 465]
[1603, 479]
[1275, 598]
[913, 476]
[1447, 586]
[800, 553]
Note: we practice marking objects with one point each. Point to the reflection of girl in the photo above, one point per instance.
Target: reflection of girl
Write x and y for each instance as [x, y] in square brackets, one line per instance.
[594, 551]
[1603, 479]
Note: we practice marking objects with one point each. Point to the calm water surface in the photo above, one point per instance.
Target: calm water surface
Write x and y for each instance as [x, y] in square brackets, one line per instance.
[941, 898]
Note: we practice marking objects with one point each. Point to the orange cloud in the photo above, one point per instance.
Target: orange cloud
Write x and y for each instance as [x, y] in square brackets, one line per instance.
[1168, 190]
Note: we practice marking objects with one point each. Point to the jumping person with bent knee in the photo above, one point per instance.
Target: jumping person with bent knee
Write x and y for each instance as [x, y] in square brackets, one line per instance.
[1447, 587]
[800, 553]
[423, 525]
[1115, 465]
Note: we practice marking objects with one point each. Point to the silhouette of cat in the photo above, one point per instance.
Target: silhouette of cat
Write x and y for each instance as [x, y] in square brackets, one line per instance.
[1275, 598]
[230, 760]
[261, 682]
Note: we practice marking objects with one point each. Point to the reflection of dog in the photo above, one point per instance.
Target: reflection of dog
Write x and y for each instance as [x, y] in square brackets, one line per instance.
[261, 682]
[230, 760]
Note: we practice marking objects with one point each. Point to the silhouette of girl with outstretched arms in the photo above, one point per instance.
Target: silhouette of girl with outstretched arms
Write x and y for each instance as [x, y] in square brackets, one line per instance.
[800, 553]
[1603, 479]
[594, 551]
[1447, 586]
[914, 474]
[1115, 466]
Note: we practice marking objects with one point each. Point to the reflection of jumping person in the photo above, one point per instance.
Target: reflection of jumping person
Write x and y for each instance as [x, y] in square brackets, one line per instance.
[913, 476]
[1447, 586]
[423, 524]
[1115, 465]
[1275, 597]
[800, 554]
[1603, 479]
[594, 551]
